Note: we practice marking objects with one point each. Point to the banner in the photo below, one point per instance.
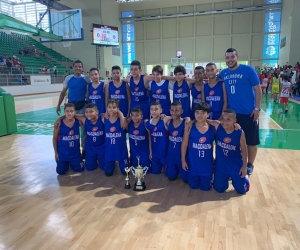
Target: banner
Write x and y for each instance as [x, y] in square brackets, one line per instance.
[40, 79]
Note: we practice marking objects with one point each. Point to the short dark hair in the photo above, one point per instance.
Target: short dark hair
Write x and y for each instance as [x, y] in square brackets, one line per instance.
[202, 106]
[176, 103]
[91, 106]
[69, 105]
[158, 69]
[199, 67]
[77, 61]
[137, 109]
[116, 67]
[136, 63]
[113, 101]
[178, 69]
[94, 69]
[231, 50]
[285, 77]
[155, 103]
[230, 111]
[211, 64]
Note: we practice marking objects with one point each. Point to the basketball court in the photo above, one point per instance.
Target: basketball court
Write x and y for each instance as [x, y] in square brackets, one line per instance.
[40, 210]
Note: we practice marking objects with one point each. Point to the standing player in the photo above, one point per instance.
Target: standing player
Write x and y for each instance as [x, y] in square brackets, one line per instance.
[265, 81]
[159, 139]
[118, 89]
[199, 142]
[66, 143]
[231, 155]
[95, 91]
[214, 92]
[115, 139]
[285, 92]
[176, 130]
[138, 139]
[196, 88]
[275, 87]
[159, 90]
[244, 97]
[76, 84]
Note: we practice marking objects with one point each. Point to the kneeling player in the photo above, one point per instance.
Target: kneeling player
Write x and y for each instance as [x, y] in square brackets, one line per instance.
[66, 143]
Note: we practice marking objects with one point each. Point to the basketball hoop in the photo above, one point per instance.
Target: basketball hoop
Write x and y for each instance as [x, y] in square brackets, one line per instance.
[178, 61]
[67, 44]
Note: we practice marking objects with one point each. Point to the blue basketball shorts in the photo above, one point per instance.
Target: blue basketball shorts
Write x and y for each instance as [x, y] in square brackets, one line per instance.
[199, 181]
[175, 169]
[76, 165]
[93, 155]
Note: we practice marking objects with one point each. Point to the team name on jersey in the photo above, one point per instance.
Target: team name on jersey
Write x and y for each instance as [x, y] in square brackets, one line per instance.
[163, 97]
[201, 146]
[70, 138]
[94, 133]
[226, 145]
[182, 95]
[137, 93]
[113, 135]
[213, 98]
[117, 96]
[95, 97]
[157, 134]
[137, 137]
[175, 139]
[233, 76]
[196, 100]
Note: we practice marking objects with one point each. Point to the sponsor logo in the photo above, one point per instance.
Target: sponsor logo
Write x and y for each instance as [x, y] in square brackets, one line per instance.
[158, 91]
[202, 139]
[211, 92]
[112, 129]
[175, 133]
[155, 128]
[71, 132]
[136, 89]
[179, 90]
[117, 92]
[227, 140]
[95, 129]
[135, 132]
[95, 92]
[199, 96]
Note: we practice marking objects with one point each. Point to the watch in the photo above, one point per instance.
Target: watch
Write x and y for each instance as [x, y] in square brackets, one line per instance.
[257, 109]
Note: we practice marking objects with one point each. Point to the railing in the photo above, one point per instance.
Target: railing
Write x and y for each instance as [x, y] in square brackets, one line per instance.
[31, 71]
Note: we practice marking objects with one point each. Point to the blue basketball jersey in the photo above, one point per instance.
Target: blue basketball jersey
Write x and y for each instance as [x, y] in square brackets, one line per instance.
[68, 144]
[196, 97]
[159, 139]
[94, 132]
[97, 96]
[200, 151]
[175, 141]
[139, 94]
[120, 94]
[115, 141]
[228, 151]
[161, 94]
[214, 96]
[182, 94]
[138, 140]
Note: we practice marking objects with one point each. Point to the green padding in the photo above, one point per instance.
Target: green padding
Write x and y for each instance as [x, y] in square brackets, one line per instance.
[1, 90]
[3, 128]
[10, 113]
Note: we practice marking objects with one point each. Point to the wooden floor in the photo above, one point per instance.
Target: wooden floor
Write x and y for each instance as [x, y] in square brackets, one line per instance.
[40, 210]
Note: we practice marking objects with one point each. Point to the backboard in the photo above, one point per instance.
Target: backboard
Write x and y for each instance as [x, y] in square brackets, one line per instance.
[178, 61]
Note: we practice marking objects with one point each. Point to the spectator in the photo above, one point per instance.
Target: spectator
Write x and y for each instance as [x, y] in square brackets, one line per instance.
[9, 66]
[66, 74]
[37, 55]
[54, 71]
[43, 55]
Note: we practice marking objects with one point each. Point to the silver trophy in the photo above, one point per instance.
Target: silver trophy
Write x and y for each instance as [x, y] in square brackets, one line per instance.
[139, 172]
[127, 184]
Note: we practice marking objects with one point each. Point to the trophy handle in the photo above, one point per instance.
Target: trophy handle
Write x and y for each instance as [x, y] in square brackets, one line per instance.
[133, 171]
[145, 169]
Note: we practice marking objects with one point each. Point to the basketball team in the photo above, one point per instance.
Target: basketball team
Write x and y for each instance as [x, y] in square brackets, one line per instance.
[176, 138]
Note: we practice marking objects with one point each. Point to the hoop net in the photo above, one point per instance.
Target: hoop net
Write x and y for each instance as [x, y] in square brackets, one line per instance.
[67, 44]
[178, 61]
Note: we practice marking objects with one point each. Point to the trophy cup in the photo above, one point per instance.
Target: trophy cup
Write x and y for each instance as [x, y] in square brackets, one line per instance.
[127, 184]
[139, 172]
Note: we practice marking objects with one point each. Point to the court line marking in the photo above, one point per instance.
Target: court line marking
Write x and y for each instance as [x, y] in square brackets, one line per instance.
[280, 128]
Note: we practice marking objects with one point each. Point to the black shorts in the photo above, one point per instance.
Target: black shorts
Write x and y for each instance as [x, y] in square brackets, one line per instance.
[250, 127]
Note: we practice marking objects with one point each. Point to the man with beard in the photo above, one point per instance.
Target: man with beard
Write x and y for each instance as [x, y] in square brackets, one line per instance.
[244, 97]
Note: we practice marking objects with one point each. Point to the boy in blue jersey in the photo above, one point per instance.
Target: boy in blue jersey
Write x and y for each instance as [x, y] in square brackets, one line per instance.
[176, 130]
[214, 92]
[118, 89]
[196, 88]
[66, 143]
[95, 91]
[138, 139]
[115, 139]
[231, 155]
[159, 140]
[159, 90]
[198, 140]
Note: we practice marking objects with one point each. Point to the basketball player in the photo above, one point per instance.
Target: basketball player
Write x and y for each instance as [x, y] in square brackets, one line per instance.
[244, 97]
[176, 130]
[138, 139]
[196, 88]
[66, 143]
[231, 155]
[115, 139]
[199, 142]
[285, 92]
[159, 140]
[76, 84]
[214, 92]
[118, 89]
[159, 90]
[95, 91]
[275, 82]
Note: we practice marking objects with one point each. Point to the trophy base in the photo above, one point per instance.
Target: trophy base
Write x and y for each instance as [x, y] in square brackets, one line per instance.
[127, 186]
[139, 187]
